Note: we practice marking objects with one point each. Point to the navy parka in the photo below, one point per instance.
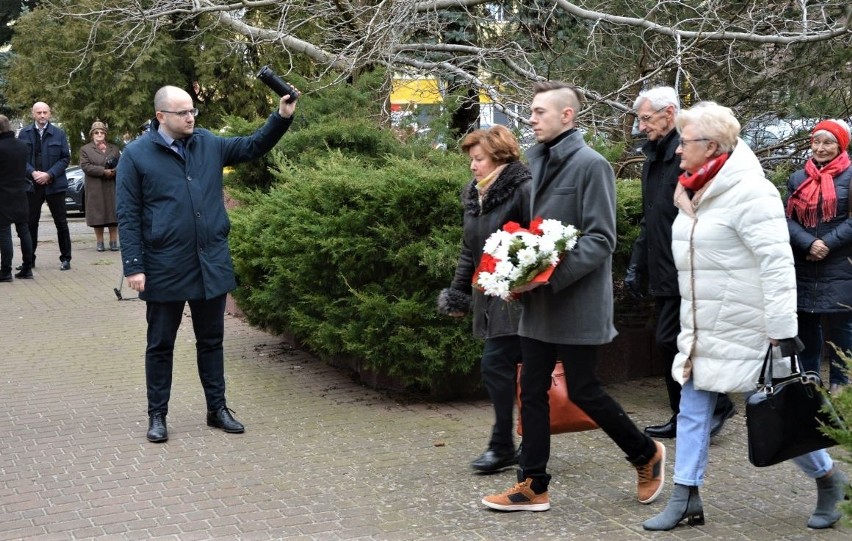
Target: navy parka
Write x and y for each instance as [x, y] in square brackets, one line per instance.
[171, 213]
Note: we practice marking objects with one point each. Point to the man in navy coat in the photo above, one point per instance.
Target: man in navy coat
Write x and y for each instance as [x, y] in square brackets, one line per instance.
[49, 155]
[174, 241]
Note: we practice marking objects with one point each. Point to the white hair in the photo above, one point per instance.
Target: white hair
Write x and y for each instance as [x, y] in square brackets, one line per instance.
[658, 97]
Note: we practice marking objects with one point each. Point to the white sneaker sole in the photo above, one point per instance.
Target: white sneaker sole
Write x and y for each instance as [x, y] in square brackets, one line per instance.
[656, 494]
[517, 507]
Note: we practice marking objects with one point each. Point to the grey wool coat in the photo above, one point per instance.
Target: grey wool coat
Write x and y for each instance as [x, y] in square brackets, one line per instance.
[575, 185]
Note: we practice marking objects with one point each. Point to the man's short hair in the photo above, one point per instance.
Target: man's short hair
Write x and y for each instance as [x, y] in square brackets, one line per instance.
[547, 86]
[5, 125]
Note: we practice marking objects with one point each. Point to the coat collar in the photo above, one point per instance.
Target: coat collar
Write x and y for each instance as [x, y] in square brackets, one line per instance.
[500, 191]
[741, 165]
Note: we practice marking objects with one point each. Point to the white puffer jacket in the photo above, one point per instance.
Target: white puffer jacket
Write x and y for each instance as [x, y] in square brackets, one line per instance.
[736, 277]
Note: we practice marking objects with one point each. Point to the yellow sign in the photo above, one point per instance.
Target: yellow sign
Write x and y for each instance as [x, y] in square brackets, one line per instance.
[420, 91]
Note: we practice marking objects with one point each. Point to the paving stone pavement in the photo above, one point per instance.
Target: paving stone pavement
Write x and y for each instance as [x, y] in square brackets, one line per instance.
[322, 458]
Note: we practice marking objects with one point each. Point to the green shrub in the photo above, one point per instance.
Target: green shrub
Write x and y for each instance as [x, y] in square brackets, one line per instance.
[349, 258]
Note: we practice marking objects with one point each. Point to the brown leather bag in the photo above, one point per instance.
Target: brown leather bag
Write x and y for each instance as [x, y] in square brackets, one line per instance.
[565, 416]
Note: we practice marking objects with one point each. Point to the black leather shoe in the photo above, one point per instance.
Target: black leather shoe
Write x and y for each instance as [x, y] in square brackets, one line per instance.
[665, 431]
[720, 418]
[490, 461]
[65, 265]
[21, 266]
[6, 276]
[26, 274]
[157, 431]
[222, 418]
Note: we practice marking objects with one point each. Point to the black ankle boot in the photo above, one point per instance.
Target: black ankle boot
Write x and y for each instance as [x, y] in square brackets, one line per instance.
[685, 503]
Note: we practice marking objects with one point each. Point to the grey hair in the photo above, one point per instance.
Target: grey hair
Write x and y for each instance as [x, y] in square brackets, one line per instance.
[713, 121]
[5, 125]
[658, 97]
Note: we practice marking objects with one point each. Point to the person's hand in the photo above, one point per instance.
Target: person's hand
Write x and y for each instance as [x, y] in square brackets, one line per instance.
[633, 282]
[788, 346]
[41, 177]
[109, 173]
[527, 287]
[818, 251]
[136, 281]
[287, 105]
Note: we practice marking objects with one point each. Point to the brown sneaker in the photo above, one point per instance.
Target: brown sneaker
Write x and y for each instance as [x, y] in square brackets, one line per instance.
[652, 476]
[518, 498]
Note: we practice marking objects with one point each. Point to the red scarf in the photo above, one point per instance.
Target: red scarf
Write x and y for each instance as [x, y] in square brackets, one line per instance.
[705, 173]
[820, 182]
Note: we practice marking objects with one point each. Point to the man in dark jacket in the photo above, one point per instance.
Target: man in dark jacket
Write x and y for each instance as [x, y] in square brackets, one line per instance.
[572, 315]
[49, 155]
[174, 241]
[13, 202]
[657, 110]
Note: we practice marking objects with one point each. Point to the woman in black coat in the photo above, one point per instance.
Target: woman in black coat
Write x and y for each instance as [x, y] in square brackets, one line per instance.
[13, 202]
[820, 224]
[494, 196]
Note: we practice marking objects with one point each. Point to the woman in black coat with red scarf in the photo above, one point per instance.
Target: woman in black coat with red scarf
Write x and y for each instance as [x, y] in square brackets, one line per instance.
[13, 202]
[820, 225]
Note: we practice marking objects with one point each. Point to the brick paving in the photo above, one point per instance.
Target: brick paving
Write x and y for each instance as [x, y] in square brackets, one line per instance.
[323, 458]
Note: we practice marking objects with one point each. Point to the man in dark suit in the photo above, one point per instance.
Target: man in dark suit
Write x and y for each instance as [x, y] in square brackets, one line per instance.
[48, 157]
[13, 202]
[174, 242]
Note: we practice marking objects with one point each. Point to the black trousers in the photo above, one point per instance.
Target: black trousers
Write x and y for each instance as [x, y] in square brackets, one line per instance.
[56, 205]
[499, 368]
[668, 327]
[585, 390]
[7, 250]
[208, 322]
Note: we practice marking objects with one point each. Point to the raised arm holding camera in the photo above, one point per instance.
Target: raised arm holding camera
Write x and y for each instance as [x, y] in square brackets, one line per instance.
[174, 241]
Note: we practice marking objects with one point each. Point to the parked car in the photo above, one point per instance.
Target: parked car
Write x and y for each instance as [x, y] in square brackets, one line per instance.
[75, 195]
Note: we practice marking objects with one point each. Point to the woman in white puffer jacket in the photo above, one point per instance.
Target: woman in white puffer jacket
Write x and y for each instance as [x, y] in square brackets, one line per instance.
[738, 287]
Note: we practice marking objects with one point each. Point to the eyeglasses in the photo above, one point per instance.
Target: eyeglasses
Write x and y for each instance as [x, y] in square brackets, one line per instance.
[685, 142]
[646, 118]
[183, 114]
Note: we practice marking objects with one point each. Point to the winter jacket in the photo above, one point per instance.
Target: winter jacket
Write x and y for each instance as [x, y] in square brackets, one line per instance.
[652, 250]
[171, 212]
[503, 202]
[55, 154]
[13, 180]
[824, 286]
[736, 276]
[575, 185]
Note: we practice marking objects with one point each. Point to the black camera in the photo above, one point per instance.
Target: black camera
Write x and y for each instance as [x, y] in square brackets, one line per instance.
[273, 81]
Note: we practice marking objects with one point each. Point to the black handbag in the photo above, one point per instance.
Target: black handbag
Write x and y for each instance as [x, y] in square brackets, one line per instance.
[784, 417]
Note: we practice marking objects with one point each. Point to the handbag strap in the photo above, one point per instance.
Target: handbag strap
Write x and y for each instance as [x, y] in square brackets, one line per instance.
[765, 378]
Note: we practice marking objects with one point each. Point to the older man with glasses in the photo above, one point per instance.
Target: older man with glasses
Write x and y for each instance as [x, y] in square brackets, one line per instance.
[657, 109]
[174, 236]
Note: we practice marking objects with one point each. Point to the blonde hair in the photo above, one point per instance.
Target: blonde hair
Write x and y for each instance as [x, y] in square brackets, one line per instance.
[498, 142]
[713, 121]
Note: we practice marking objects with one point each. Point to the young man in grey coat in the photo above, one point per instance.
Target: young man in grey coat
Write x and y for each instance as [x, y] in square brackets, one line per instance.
[569, 317]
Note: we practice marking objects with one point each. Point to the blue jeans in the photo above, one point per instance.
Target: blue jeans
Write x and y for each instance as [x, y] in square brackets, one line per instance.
[208, 322]
[839, 325]
[693, 440]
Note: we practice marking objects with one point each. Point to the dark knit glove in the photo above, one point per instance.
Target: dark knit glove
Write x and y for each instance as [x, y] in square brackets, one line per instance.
[452, 301]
